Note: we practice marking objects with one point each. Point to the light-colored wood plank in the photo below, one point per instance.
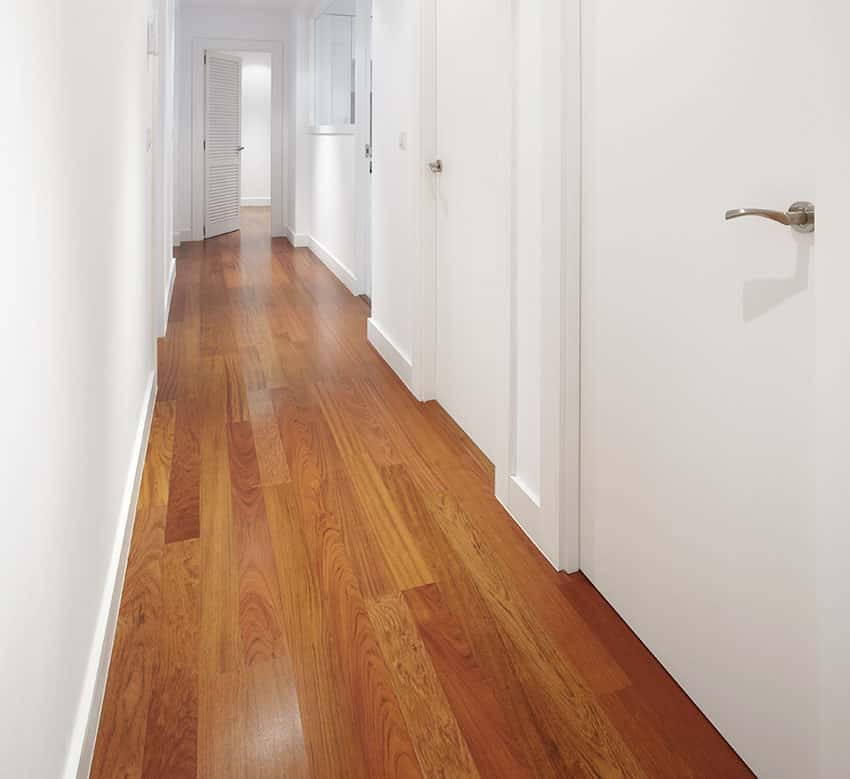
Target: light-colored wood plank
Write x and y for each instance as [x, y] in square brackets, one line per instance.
[439, 743]
[153, 491]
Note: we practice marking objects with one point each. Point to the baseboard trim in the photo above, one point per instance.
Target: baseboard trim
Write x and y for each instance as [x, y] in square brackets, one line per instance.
[524, 508]
[298, 240]
[256, 202]
[392, 355]
[81, 746]
[335, 265]
[181, 236]
[169, 294]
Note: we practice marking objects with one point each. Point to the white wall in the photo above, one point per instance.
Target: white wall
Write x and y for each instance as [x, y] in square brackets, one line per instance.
[528, 243]
[397, 174]
[77, 330]
[325, 211]
[199, 24]
[256, 128]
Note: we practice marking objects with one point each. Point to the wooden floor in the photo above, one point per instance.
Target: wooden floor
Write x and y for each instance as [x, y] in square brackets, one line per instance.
[322, 584]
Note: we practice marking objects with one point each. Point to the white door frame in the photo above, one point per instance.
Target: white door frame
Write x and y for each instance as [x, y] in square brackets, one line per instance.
[362, 177]
[570, 286]
[558, 504]
[279, 183]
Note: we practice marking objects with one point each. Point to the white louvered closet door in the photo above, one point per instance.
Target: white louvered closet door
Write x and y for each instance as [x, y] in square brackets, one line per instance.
[223, 143]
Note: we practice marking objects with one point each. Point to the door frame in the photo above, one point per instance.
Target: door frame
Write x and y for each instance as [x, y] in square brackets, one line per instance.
[557, 506]
[279, 183]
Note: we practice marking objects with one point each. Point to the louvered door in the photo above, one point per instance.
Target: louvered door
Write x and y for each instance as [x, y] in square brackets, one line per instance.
[223, 143]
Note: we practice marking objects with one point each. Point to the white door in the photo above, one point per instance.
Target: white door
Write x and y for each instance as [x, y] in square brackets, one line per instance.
[223, 143]
[698, 481]
[474, 144]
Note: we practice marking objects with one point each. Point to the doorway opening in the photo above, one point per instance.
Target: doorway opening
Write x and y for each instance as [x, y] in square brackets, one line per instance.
[247, 82]
[237, 139]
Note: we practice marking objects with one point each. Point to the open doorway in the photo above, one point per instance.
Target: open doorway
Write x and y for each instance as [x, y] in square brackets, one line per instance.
[258, 171]
[237, 139]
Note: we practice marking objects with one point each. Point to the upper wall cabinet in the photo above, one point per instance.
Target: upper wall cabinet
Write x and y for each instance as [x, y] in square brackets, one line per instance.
[334, 68]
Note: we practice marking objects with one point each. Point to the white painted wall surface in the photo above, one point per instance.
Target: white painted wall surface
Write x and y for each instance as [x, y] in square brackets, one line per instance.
[397, 174]
[528, 244]
[77, 334]
[324, 211]
[256, 128]
[208, 23]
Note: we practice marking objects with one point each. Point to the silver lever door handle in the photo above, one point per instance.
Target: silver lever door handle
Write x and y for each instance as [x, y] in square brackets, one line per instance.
[436, 166]
[800, 216]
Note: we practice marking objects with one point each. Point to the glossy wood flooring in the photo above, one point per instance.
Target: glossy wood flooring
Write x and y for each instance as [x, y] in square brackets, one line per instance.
[322, 584]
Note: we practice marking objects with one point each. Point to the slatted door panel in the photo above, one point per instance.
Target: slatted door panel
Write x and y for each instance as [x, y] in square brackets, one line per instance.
[223, 141]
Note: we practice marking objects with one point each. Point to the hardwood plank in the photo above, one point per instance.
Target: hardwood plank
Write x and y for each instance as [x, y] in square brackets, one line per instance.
[183, 519]
[401, 551]
[483, 722]
[222, 746]
[236, 389]
[141, 598]
[171, 744]
[676, 731]
[439, 743]
[330, 733]
[252, 368]
[275, 738]
[383, 733]
[270, 455]
[260, 612]
[463, 597]
[156, 476]
[181, 604]
[244, 468]
[220, 635]
[123, 720]
[577, 722]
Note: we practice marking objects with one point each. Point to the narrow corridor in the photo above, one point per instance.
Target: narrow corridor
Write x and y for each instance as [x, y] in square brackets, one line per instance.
[322, 584]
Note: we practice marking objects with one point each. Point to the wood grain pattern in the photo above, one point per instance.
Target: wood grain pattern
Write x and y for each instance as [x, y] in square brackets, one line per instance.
[597, 747]
[183, 519]
[270, 455]
[153, 491]
[322, 584]
[482, 720]
[439, 743]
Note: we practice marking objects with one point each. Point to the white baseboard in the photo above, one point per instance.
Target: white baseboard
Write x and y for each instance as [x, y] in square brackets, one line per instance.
[524, 508]
[84, 734]
[256, 202]
[181, 236]
[169, 294]
[298, 240]
[334, 265]
[393, 356]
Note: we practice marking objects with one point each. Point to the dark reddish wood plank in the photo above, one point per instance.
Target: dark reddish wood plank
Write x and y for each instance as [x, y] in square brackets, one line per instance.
[184, 491]
[483, 722]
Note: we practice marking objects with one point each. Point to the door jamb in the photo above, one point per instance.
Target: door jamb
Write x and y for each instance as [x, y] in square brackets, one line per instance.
[571, 271]
[279, 188]
[425, 343]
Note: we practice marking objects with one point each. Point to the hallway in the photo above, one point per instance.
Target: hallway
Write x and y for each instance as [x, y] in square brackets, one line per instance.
[324, 585]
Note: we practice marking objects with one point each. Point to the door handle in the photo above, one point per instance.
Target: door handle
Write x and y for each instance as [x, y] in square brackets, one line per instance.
[436, 166]
[800, 216]
[241, 148]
